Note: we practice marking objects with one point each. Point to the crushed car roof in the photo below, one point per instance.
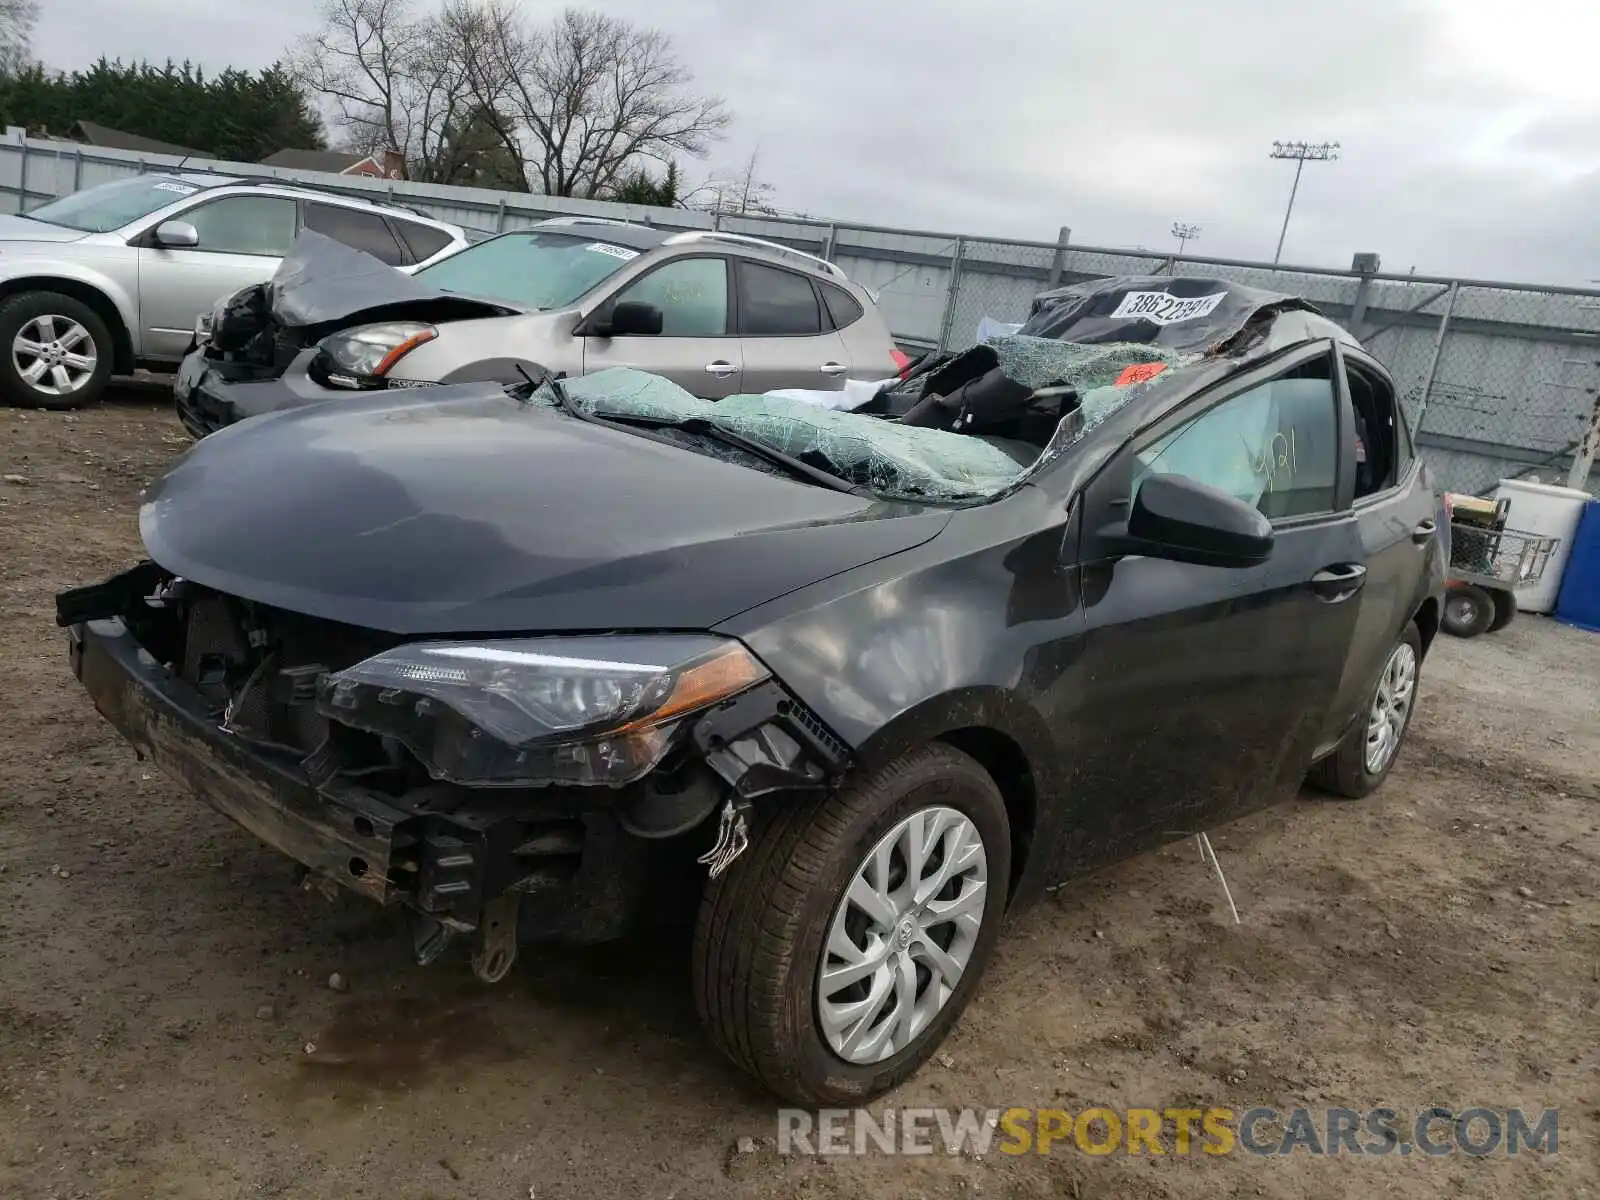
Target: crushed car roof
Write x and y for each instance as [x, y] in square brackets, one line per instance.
[1183, 313]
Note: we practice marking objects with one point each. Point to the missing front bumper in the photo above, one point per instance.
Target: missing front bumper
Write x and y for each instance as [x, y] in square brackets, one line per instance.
[575, 874]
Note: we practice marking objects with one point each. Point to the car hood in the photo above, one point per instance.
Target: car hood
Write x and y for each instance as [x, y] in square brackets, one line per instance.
[462, 509]
[322, 281]
[21, 229]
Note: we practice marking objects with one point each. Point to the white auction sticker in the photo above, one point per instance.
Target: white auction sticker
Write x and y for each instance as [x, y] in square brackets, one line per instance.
[181, 188]
[1163, 308]
[614, 251]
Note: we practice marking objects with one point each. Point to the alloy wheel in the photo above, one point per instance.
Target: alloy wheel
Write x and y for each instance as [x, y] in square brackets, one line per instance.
[902, 935]
[1391, 705]
[54, 355]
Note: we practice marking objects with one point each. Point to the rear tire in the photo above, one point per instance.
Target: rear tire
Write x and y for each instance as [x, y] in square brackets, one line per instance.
[1468, 610]
[1505, 611]
[1353, 770]
[64, 341]
[769, 925]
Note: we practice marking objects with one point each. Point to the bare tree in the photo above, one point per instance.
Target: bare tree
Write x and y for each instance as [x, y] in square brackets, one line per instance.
[589, 97]
[743, 193]
[577, 105]
[17, 18]
[398, 81]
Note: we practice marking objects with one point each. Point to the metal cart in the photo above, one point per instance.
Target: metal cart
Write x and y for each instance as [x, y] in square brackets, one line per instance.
[1487, 562]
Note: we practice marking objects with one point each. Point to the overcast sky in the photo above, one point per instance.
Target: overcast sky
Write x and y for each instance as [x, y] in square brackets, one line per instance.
[1470, 128]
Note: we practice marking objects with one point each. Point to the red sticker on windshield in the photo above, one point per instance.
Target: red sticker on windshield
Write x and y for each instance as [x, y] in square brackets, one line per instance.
[1138, 373]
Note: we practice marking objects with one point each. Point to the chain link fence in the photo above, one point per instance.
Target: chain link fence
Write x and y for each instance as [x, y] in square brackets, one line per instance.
[1499, 380]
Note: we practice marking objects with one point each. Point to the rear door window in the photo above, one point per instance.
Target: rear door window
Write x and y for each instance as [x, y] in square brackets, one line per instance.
[355, 227]
[1383, 451]
[776, 303]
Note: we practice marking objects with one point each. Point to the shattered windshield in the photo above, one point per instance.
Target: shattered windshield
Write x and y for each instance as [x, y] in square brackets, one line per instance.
[537, 269]
[893, 461]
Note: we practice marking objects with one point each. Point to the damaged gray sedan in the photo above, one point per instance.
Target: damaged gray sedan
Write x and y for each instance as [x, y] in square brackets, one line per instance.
[563, 659]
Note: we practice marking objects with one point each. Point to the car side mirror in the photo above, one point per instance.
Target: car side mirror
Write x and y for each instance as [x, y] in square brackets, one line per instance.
[177, 233]
[1178, 518]
[631, 318]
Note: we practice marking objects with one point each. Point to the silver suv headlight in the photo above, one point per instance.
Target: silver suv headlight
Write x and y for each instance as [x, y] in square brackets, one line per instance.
[360, 356]
[527, 711]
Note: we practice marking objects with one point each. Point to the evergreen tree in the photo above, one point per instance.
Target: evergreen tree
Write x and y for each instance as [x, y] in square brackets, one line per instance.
[237, 116]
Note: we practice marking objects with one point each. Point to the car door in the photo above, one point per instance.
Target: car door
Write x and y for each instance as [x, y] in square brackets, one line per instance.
[242, 239]
[696, 347]
[787, 338]
[1396, 513]
[1201, 690]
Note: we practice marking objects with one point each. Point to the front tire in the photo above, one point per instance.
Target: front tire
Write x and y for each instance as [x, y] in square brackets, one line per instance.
[1368, 752]
[55, 352]
[836, 953]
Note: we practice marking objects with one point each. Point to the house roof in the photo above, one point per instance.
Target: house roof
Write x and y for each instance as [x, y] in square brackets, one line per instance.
[94, 134]
[336, 161]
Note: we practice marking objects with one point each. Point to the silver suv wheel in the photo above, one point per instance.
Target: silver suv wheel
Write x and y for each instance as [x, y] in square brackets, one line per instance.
[54, 355]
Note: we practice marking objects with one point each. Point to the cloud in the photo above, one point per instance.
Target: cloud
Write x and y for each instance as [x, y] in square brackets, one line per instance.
[1469, 141]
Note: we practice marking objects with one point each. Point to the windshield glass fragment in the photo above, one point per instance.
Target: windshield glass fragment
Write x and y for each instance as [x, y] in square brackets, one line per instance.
[895, 462]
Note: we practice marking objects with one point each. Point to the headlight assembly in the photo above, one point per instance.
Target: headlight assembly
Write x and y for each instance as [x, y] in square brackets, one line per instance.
[361, 357]
[579, 710]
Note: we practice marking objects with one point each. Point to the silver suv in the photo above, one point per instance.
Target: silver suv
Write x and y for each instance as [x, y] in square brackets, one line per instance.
[717, 313]
[112, 277]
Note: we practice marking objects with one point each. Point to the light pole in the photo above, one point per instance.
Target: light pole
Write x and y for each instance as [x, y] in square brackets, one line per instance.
[1184, 232]
[1301, 153]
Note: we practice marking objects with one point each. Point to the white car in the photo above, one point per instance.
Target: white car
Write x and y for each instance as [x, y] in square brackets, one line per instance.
[112, 277]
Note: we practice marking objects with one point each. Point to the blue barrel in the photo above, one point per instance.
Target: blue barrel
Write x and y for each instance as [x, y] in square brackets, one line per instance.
[1579, 601]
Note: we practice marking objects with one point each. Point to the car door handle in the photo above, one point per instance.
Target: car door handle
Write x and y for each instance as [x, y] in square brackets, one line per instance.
[833, 368]
[1339, 582]
[722, 368]
[1423, 533]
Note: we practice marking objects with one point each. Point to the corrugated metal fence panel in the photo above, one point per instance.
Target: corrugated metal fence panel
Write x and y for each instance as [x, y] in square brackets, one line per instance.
[1509, 387]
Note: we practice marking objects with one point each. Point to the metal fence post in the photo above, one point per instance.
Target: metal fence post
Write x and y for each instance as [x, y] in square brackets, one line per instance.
[829, 243]
[77, 170]
[1058, 261]
[500, 216]
[953, 295]
[1433, 357]
[22, 178]
[1367, 266]
[1583, 457]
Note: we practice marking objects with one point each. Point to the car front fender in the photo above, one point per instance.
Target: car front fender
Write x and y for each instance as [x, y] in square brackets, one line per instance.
[26, 273]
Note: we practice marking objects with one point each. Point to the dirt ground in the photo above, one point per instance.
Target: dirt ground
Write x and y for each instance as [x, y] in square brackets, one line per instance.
[167, 1028]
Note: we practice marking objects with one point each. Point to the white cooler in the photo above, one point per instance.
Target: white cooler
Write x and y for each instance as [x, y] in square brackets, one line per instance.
[1550, 511]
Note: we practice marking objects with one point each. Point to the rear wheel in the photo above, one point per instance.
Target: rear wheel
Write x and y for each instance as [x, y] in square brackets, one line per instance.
[1368, 752]
[1505, 611]
[1468, 611]
[55, 351]
[836, 953]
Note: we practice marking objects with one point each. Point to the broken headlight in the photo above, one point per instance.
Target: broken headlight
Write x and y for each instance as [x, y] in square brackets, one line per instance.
[361, 357]
[579, 710]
